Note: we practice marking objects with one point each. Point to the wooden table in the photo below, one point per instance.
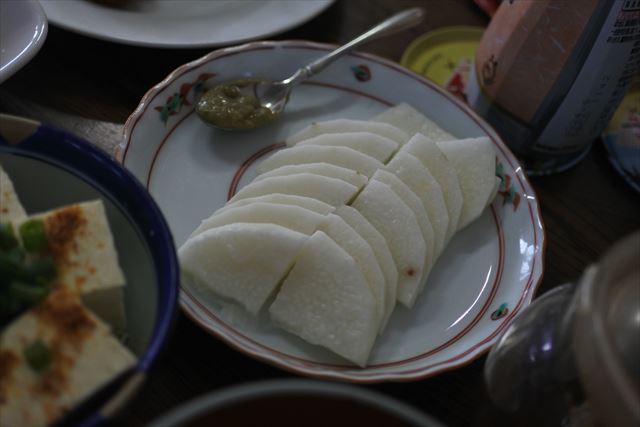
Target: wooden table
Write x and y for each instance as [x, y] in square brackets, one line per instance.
[90, 87]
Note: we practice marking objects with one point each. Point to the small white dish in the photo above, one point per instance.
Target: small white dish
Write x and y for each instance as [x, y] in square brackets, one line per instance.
[181, 23]
[23, 30]
[488, 273]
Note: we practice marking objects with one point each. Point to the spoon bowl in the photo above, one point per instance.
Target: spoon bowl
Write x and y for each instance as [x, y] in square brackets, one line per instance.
[242, 104]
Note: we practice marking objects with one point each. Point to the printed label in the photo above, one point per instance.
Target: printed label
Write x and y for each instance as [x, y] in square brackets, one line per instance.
[601, 83]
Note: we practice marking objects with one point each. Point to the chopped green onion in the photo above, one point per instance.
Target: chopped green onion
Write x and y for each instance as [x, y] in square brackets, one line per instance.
[41, 270]
[9, 306]
[28, 293]
[38, 356]
[11, 264]
[7, 236]
[34, 235]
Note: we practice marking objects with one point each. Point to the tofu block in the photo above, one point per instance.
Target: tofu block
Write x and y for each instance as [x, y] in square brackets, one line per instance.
[11, 209]
[82, 246]
[84, 357]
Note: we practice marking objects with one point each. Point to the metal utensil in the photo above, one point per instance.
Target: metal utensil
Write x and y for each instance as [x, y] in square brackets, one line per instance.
[274, 95]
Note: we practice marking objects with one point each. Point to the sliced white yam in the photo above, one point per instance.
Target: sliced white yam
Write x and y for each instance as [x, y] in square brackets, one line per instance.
[324, 169]
[433, 132]
[358, 248]
[283, 199]
[241, 262]
[435, 161]
[381, 250]
[339, 156]
[386, 211]
[413, 173]
[474, 159]
[347, 125]
[416, 206]
[376, 146]
[292, 217]
[333, 191]
[326, 300]
[404, 117]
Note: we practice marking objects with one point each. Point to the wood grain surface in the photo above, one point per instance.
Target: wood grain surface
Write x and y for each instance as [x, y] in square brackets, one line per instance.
[90, 87]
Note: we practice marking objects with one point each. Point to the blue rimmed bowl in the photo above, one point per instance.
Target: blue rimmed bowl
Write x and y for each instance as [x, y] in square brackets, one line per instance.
[51, 168]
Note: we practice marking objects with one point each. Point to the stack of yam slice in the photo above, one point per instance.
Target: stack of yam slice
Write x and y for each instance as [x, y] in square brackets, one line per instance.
[342, 224]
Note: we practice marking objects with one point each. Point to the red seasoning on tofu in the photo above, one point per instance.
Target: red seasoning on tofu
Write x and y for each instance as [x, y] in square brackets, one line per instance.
[10, 207]
[68, 319]
[83, 356]
[62, 226]
[58, 268]
[8, 362]
[80, 241]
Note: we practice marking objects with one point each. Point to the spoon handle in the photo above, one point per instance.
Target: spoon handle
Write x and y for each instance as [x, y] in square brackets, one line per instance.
[398, 22]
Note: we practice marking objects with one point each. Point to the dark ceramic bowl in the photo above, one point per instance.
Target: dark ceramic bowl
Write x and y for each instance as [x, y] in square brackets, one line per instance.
[294, 403]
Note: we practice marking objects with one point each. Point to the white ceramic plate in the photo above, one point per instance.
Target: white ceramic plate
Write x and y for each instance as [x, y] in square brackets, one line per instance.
[181, 23]
[23, 29]
[488, 273]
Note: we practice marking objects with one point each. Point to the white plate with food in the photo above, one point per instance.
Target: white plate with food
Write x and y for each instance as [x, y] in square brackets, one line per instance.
[23, 30]
[482, 269]
[179, 24]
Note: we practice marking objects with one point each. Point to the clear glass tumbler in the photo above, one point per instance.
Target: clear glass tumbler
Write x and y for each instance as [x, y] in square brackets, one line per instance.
[572, 358]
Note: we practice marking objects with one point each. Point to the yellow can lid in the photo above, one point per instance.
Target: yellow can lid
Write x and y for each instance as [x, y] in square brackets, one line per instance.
[444, 55]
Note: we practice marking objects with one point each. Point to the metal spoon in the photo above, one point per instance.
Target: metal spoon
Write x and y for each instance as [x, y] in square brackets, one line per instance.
[252, 103]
